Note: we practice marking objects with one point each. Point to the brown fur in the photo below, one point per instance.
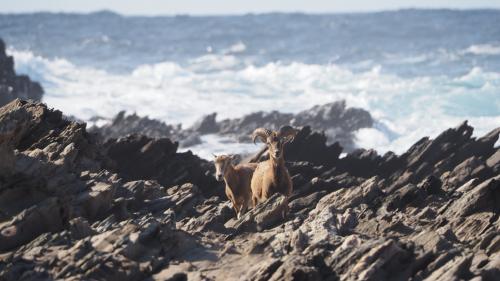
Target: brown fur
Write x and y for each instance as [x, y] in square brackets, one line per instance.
[271, 176]
[237, 179]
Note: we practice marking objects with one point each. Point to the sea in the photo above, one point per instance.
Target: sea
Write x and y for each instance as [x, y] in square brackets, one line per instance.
[418, 72]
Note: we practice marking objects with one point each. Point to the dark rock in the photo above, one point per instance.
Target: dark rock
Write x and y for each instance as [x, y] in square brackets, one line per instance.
[296, 268]
[483, 197]
[312, 147]
[455, 269]
[123, 125]
[345, 198]
[337, 123]
[133, 208]
[138, 157]
[243, 127]
[261, 217]
[472, 167]
[13, 86]
[407, 195]
[48, 216]
[494, 161]
[431, 185]
[206, 125]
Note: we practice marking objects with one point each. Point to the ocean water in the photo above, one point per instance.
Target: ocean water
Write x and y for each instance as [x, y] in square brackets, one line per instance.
[417, 71]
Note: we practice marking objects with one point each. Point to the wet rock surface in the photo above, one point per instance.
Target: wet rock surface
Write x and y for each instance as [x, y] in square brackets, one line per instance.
[337, 121]
[13, 85]
[133, 208]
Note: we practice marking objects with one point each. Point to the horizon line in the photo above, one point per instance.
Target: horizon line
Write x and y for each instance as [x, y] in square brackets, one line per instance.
[110, 11]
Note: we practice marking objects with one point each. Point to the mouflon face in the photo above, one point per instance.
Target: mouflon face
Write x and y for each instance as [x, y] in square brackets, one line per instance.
[275, 145]
[221, 163]
[275, 140]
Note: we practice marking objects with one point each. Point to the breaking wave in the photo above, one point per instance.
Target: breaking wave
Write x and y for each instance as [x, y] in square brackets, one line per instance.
[405, 108]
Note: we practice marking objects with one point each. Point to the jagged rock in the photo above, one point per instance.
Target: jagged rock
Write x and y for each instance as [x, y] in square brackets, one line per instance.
[296, 268]
[351, 197]
[337, 122]
[80, 228]
[312, 147]
[206, 125]
[494, 161]
[371, 260]
[142, 190]
[139, 157]
[7, 161]
[324, 224]
[455, 269]
[471, 228]
[472, 167]
[483, 197]
[13, 86]
[309, 146]
[376, 264]
[212, 217]
[490, 271]
[262, 216]
[432, 241]
[123, 125]
[49, 216]
[134, 208]
[96, 201]
[431, 185]
[407, 195]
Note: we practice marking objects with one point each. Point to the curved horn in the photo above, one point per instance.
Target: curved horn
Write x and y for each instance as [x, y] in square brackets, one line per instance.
[261, 133]
[287, 132]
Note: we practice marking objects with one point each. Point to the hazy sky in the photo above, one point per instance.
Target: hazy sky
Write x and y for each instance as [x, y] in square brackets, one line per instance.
[158, 7]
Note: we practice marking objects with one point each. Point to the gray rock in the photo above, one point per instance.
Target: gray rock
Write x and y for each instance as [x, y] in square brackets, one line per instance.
[335, 120]
[12, 85]
[136, 209]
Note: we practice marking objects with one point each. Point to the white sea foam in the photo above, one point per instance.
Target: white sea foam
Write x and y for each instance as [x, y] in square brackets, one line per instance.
[213, 62]
[484, 49]
[238, 47]
[400, 59]
[406, 108]
[214, 144]
[439, 56]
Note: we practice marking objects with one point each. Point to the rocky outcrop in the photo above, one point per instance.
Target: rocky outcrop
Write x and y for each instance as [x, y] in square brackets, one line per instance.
[338, 123]
[133, 208]
[336, 120]
[136, 157]
[123, 125]
[14, 86]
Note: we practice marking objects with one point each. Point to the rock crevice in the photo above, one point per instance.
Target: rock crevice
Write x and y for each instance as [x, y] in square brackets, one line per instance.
[133, 208]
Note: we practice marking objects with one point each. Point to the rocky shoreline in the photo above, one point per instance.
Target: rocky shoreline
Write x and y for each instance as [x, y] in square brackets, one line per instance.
[133, 208]
[336, 120]
[120, 202]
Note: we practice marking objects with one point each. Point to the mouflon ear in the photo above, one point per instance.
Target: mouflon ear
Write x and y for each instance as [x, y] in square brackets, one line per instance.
[215, 156]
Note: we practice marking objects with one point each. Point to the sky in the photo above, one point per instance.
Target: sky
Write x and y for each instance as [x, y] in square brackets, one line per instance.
[214, 7]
